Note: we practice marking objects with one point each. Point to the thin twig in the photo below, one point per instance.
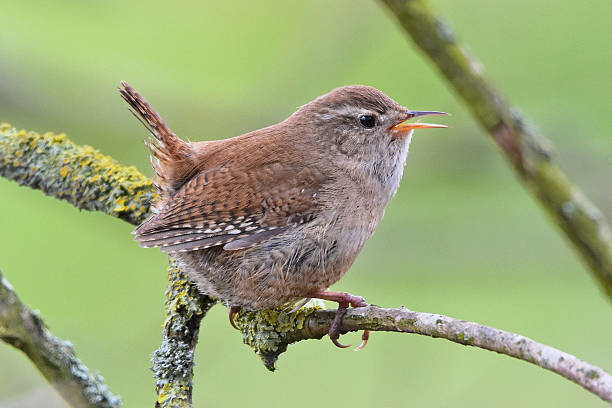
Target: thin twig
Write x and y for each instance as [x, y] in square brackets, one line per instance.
[269, 334]
[55, 358]
[526, 149]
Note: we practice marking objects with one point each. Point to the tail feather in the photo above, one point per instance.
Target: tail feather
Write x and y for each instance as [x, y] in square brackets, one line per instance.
[170, 152]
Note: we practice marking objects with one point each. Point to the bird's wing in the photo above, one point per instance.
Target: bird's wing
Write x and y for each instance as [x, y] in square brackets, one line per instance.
[237, 209]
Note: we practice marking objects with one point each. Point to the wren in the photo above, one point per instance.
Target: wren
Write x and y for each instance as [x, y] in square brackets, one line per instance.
[276, 216]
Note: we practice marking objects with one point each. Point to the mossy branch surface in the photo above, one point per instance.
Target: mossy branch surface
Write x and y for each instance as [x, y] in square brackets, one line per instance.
[270, 332]
[173, 360]
[55, 358]
[80, 175]
[526, 149]
[92, 181]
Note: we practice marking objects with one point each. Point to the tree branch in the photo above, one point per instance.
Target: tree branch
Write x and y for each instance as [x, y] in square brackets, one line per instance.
[92, 181]
[54, 358]
[173, 360]
[80, 175]
[270, 332]
[526, 149]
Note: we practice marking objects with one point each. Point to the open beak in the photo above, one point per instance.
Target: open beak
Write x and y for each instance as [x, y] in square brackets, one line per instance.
[404, 128]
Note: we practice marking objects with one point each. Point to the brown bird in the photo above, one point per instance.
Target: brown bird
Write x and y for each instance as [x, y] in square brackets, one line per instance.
[278, 215]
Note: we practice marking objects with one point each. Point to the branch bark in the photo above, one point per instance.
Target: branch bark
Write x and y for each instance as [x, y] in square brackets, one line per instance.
[526, 149]
[270, 332]
[80, 175]
[173, 360]
[92, 181]
[55, 358]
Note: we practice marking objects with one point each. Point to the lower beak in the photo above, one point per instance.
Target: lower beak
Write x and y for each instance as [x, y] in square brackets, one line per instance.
[404, 128]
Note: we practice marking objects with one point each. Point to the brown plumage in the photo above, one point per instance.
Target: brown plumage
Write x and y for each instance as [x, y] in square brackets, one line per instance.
[277, 215]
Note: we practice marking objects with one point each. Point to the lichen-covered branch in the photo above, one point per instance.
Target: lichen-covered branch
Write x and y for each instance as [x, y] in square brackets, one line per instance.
[92, 181]
[527, 150]
[173, 360]
[55, 358]
[271, 332]
[78, 174]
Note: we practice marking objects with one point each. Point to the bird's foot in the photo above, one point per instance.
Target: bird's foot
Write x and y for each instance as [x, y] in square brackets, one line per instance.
[344, 301]
[232, 312]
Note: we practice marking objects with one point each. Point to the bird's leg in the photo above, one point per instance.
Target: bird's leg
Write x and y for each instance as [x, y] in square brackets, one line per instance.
[344, 301]
[232, 311]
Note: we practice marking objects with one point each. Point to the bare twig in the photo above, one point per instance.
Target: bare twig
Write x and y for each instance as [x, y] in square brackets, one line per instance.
[269, 333]
[54, 358]
[526, 149]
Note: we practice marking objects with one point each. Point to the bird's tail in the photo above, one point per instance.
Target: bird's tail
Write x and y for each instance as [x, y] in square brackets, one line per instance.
[170, 154]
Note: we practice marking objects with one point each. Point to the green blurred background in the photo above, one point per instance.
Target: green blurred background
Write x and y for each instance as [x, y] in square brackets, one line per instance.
[461, 238]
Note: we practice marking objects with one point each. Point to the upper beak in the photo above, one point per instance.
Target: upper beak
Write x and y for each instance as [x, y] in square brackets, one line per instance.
[404, 128]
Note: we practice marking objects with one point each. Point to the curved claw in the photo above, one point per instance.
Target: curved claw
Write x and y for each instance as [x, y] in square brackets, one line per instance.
[344, 301]
[232, 312]
[338, 344]
[364, 340]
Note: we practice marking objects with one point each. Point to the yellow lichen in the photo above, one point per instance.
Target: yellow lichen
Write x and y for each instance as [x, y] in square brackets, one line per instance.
[268, 332]
[82, 172]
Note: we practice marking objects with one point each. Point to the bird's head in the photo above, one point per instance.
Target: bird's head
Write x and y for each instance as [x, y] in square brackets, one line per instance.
[366, 128]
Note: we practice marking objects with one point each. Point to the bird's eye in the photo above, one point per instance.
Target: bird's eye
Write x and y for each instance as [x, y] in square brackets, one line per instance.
[367, 121]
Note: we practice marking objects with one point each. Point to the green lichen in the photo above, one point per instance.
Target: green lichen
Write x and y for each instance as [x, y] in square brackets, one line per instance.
[593, 375]
[407, 325]
[582, 221]
[172, 396]
[465, 339]
[80, 175]
[173, 360]
[53, 357]
[527, 149]
[183, 299]
[269, 332]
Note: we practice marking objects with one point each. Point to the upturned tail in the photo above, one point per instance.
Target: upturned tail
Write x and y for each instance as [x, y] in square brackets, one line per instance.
[170, 156]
